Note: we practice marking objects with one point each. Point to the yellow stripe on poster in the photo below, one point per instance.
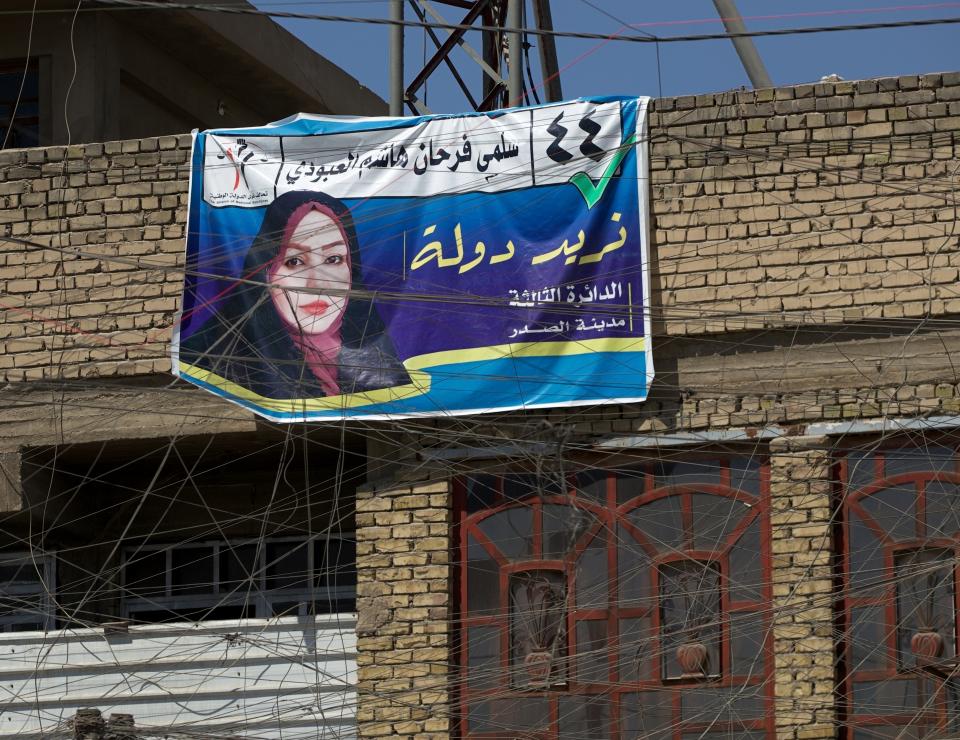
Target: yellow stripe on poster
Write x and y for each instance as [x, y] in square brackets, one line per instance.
[527, 349]
[420, 384]
[420, 380]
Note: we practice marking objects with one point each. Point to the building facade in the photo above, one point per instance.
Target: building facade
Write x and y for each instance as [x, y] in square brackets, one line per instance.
[767, 547]
[71, 77]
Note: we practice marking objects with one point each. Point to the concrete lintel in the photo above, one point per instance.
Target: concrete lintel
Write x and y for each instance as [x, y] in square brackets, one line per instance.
[707, 436]
[875, 426]
[40, 418]
[800, 435]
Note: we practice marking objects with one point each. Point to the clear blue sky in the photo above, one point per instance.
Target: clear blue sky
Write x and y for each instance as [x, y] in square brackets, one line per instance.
[685, 67]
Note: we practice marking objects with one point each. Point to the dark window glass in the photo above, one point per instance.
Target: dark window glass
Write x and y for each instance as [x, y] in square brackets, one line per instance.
[481, 492]
[511, 531]
[591, 659]
[629, 485]
[21, 573]
[592, 575]
[884, 697]
[746, 565]
[745, 475]
[943, 508]
[733, 705]
[285, 608]
[690, 619]
[747, 636]
[647, 714]
[637, 650]
[20, 604]
[483, 657]
[932, 458]
[498, 716]
[562, 527]
[197, 614]
[238, 568]
[483, 581]
[19, 122]
[537, 628]
[925, 605]
[688, 473]
[662, 523]
[592, 484]
[145, 574]
[867, 568]
[27, 626]
[868, 638]
[287, 565]
[633, 564]
[894, 510]
[584, 718]
[191, 570]
[335, 562]
[861, 468]
[520, 487]
[715, 518]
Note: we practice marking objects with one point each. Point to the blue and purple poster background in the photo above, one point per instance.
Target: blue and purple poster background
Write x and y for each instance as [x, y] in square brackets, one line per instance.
[500, 262]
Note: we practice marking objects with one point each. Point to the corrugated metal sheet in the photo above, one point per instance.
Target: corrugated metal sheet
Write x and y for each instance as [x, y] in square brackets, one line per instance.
[290, 677]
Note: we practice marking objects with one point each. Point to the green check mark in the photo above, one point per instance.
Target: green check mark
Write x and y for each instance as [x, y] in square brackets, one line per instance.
[592, 191]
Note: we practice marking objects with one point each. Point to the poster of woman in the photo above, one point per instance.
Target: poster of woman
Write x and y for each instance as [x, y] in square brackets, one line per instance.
[439, 265]
[296, 326]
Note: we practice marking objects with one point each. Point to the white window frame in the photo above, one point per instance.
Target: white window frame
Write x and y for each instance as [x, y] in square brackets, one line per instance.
[261, 601]
[43, 586]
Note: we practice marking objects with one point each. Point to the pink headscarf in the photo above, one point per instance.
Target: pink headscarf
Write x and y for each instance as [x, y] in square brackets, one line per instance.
[320, 351]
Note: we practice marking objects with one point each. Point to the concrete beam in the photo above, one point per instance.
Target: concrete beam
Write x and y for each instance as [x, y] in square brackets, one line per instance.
[41, 418]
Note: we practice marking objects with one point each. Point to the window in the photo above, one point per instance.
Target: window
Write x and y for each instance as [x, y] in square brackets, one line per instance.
[19, 122]
[690, 619]
[238, 580]
[26, 585]
[901, 524]
[538, 601]
[632, 603]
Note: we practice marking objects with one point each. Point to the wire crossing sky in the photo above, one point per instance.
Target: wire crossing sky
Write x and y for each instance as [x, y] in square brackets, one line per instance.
[591, 67]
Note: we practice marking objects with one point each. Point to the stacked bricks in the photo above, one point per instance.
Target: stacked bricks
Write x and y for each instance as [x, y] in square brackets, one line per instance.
[802, 547]
[94, 285]
[403, 602]
[822, 205]
[815, 203]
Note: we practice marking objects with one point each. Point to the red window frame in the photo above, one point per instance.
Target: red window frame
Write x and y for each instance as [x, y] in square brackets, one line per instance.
[609, 513]
[924, 683]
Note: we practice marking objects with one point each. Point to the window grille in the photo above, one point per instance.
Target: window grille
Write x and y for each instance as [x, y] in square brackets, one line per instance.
[580, 606]
[900, 537]
[239, 579]
[26, 585]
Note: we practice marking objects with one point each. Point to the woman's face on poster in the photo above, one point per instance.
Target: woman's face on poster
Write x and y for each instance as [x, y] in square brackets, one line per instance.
[311, 276]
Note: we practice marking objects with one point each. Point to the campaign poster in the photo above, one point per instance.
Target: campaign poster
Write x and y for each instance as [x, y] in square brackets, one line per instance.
[381, 268]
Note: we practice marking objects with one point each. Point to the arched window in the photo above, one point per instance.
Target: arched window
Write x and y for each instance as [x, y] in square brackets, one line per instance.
[901, 535]
[633, 603]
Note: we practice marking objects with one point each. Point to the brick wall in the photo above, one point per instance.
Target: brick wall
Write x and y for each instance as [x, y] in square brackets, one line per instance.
[805, 259]
[779, 217]
[802, 546]
[403, 603]
[95, 291]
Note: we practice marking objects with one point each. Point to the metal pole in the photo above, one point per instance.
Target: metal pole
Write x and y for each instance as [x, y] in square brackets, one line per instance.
[548, 51]
[515, 80]
[747, 52]
[396, 58]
